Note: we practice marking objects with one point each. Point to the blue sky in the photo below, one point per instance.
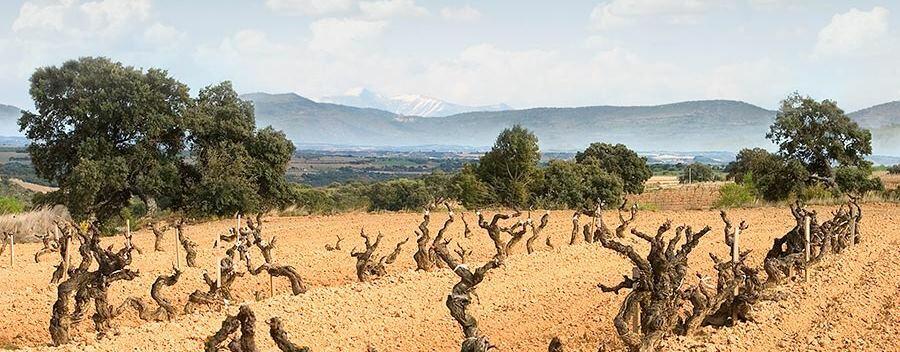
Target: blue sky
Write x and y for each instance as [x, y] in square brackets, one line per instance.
[523, 53]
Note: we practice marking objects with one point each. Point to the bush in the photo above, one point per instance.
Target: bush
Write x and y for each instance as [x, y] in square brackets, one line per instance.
[817, 192]
[856, 180]
[399, 194]
[894, 170]
[620, 161]
[566, 184]
[735, 195]
[10, 205]
[697, 173]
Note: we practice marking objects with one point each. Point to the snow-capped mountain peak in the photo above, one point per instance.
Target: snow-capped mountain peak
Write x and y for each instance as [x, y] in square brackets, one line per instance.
[406, 104]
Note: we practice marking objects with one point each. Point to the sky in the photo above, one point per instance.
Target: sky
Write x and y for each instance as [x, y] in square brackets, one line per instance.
[518, 52]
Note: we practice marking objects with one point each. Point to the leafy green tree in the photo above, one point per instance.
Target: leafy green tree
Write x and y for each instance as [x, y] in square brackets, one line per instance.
[105, 133]
[819, 135]
[774, 177]
[620, 161]
[469, 189]
[697, 172]
[572, 185]
[509, 168]
[894, 170]
[856, 180]
[399, 194]
[234, 168]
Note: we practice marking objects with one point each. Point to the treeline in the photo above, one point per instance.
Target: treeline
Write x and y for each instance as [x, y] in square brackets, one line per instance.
[821, 154]
[510, 175]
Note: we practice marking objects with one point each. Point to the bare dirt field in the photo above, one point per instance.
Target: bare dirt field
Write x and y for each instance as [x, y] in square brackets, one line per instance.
[851, 301]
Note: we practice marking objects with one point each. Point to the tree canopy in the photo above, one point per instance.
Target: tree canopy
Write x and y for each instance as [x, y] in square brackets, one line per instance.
[819, 135]
[620, 161]
[105, 133]
[508, 168]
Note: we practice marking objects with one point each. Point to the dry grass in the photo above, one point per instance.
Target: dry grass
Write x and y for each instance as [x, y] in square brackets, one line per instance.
[26, 226]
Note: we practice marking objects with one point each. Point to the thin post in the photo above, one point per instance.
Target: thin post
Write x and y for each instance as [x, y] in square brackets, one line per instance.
[12, 250]
[735, 249]
[65, 263]
[806, 221]
[272, 278]
[736, 252]
[238, 226]
[177, 243]
[218, 270]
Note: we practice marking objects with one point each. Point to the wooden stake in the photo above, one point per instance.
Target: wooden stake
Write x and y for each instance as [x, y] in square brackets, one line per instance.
[177, 243]
[65, 263]
[806, 221]
[735, 249]
[218, 270]
[271, 286]
[238, 226]
[12, 250]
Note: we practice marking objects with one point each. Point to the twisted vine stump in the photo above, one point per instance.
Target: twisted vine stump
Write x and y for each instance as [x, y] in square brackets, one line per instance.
[650, 310]
[424, 256]
[495, 231]
[461, 296]
[536, 231]
[336, 246]
[368, 269]
[556, 345]
[164, 312]
[462, 253]
[467, 233]
[245, 320]
[574, 228]
[623, 223]
[276, 331]
[286, 271]
[737, 289]
[65, 242]
[190, 251]
[219, 293]
[516, 233]
[49, 244]
[159, 232]
[89, 286]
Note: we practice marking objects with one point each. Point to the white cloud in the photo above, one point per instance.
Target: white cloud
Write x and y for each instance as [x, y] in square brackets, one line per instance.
[465, 14]
[310, 7]
[619, 13]
[383, 9]
[93, 19]
[855, 33]
[161, 35]
[343, 35]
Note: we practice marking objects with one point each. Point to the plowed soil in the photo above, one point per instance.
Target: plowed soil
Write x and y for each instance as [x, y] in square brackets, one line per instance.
[851, 301]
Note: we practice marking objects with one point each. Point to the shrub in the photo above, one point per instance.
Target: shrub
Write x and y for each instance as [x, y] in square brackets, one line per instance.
[399, 194]
[620, 161]
[857, 180]
[735, 195]
[10, 205]
[697, 173]
[894, 170]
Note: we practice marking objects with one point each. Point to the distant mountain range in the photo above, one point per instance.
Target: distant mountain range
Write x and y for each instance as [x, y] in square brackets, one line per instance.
[9, 121]
[708, 125]
[407, 105]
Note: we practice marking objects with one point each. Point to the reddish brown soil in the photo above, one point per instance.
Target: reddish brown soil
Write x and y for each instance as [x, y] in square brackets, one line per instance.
[852, 301]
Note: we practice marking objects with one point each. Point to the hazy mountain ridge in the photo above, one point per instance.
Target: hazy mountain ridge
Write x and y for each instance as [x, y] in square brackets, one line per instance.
[408, 104]
[686, 126]
[9, 121]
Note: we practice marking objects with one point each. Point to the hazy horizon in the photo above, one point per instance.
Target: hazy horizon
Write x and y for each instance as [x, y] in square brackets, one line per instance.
[579, 53]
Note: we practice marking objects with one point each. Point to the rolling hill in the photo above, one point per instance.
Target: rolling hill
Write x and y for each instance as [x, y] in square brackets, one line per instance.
[9, 121]
[687, 126]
